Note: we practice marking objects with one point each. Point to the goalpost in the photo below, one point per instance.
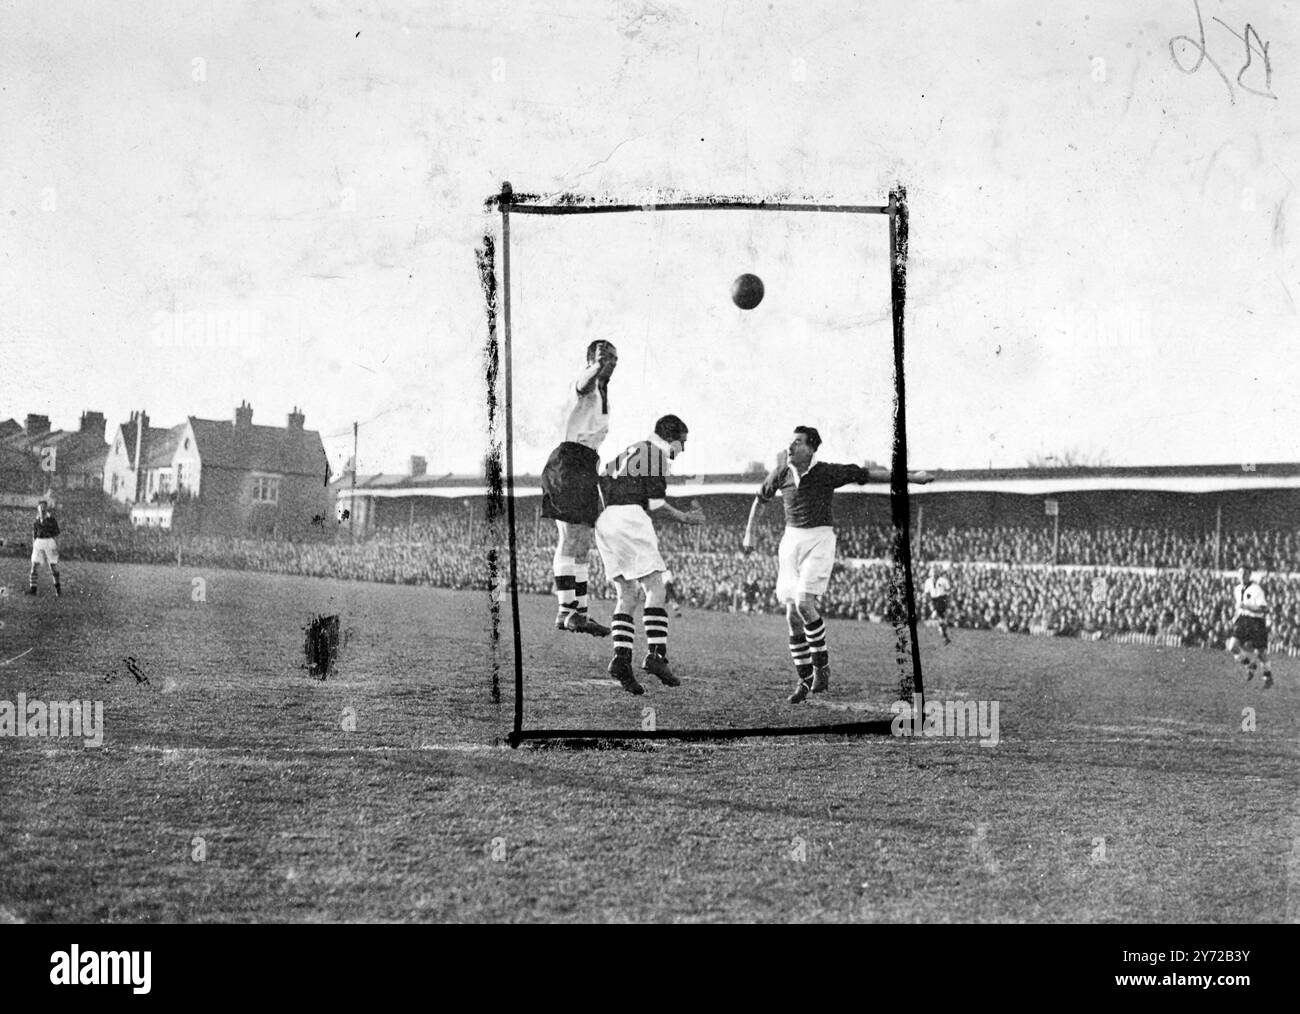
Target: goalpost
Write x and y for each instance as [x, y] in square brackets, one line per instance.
[500, 480]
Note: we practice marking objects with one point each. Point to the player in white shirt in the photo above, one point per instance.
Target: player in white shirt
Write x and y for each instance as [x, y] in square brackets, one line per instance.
[937, 588]
[571, 487]
[1249, 639]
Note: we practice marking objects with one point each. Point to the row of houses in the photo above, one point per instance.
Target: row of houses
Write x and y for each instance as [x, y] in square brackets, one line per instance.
[225, 476]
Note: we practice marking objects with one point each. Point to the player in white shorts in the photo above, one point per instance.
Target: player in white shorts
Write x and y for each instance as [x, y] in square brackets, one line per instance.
[635, 487]
[806, 555]
[45, 530]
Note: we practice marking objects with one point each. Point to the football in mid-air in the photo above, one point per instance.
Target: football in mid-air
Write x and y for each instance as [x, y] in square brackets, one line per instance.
[747, 291]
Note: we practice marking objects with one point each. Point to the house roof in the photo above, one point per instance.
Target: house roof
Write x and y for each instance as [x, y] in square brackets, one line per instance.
[259, 448]
[23, 442]
[152, 436]
[159, 452]
[80, 457]
[20, 472]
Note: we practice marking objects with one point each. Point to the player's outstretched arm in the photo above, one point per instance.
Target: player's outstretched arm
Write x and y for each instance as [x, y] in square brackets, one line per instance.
[601, 369]
[747, 543]
[765, 493]
[587, 380]
[874, 473]
[695, 516]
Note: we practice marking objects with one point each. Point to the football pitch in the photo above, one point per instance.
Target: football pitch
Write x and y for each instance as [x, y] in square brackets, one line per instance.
[1127, 784]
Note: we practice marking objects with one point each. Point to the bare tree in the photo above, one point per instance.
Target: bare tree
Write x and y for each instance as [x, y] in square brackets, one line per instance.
[1071, 457]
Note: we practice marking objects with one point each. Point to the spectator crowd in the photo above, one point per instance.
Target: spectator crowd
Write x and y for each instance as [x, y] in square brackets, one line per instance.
[1116, 580]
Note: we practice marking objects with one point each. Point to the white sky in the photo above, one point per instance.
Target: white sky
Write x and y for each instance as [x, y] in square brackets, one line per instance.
[1103, 246]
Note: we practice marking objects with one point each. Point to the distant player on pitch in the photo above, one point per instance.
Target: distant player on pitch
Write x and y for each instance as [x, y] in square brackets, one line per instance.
[937, 588]
[806, 554]
[672, 594]
[45, 529]
[1249, 639]
[637, 488]
[570, 487]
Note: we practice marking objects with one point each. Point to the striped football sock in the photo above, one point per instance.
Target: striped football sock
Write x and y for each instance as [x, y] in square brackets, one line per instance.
[799, 653]
[564, 587]
[655, 621]
[623, 631]
[815, 634]
[580, 573]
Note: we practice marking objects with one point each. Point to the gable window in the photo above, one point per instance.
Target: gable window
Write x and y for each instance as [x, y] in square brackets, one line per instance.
[266, 488]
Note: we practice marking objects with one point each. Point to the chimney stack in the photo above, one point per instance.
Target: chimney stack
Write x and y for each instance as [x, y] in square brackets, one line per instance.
[141, 424]
[243, 416]
[296, 419]
[93, 424]
[418, 466]
[37, 425]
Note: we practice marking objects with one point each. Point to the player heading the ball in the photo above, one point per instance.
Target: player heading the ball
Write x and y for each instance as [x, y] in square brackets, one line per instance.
[570, 487]
[806, 554]
[635, 488]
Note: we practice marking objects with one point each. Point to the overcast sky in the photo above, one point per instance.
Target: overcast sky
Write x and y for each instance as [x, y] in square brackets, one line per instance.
[1103, 241]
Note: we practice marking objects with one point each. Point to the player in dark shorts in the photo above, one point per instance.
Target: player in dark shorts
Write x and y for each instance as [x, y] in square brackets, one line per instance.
[1248, 642]
[937, 588]
[571, 487]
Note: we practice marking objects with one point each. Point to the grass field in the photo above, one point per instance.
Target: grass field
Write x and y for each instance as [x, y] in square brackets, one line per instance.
[229, 787]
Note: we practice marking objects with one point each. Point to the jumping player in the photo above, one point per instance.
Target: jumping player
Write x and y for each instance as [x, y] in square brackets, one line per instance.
[1249, 639]
[807, 551]
[636, 488]
[937, 588]
[570, 487]
[45, 530]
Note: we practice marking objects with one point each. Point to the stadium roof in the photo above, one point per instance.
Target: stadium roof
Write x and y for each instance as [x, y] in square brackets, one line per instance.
[1015, 481]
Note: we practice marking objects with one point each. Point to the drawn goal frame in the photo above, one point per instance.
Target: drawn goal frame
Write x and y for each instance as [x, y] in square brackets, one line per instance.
[508, 203]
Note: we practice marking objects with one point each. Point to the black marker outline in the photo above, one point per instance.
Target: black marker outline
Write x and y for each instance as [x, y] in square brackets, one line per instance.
[507, 202]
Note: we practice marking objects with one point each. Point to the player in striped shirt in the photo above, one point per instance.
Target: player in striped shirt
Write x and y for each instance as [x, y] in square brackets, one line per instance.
[570, 487]
[45, 530]
[635, 491]
[807, 552]
[1249, 639]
